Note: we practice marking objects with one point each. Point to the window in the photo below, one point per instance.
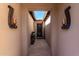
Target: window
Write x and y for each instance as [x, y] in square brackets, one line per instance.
[48, 21]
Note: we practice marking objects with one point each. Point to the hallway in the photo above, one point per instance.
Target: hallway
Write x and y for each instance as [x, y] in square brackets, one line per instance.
[40, 48]
[57, 23]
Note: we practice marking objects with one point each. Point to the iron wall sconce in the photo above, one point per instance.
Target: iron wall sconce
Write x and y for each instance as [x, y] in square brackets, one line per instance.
[67, 22]
[11, 20]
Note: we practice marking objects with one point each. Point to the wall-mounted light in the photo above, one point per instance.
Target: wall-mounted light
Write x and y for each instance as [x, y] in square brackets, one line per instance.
[11, 19]
[67, 21]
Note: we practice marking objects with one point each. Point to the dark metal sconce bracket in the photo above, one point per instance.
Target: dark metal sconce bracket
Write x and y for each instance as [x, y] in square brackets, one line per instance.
[67, 24]
[10, 18]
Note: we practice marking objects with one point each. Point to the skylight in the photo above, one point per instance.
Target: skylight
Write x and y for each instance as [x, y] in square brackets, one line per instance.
[39, 15]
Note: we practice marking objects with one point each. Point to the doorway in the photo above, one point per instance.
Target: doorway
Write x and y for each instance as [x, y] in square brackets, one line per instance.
[39, 30]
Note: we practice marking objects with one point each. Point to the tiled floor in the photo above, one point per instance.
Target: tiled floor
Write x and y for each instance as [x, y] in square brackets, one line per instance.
[40, 48]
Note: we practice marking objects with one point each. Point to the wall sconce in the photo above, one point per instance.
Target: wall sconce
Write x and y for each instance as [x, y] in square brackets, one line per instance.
[11, 19]
[67, 21]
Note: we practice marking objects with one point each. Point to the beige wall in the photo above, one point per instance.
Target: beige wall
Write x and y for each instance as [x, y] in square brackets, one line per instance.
[68, 40]
[30, 28]
[54, 30]
[27, 28]
[10, 39]
[38, 6]
[47, 32]
[24, 31]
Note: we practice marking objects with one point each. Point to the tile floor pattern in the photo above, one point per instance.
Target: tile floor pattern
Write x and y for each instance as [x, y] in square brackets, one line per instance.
[40, 48]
